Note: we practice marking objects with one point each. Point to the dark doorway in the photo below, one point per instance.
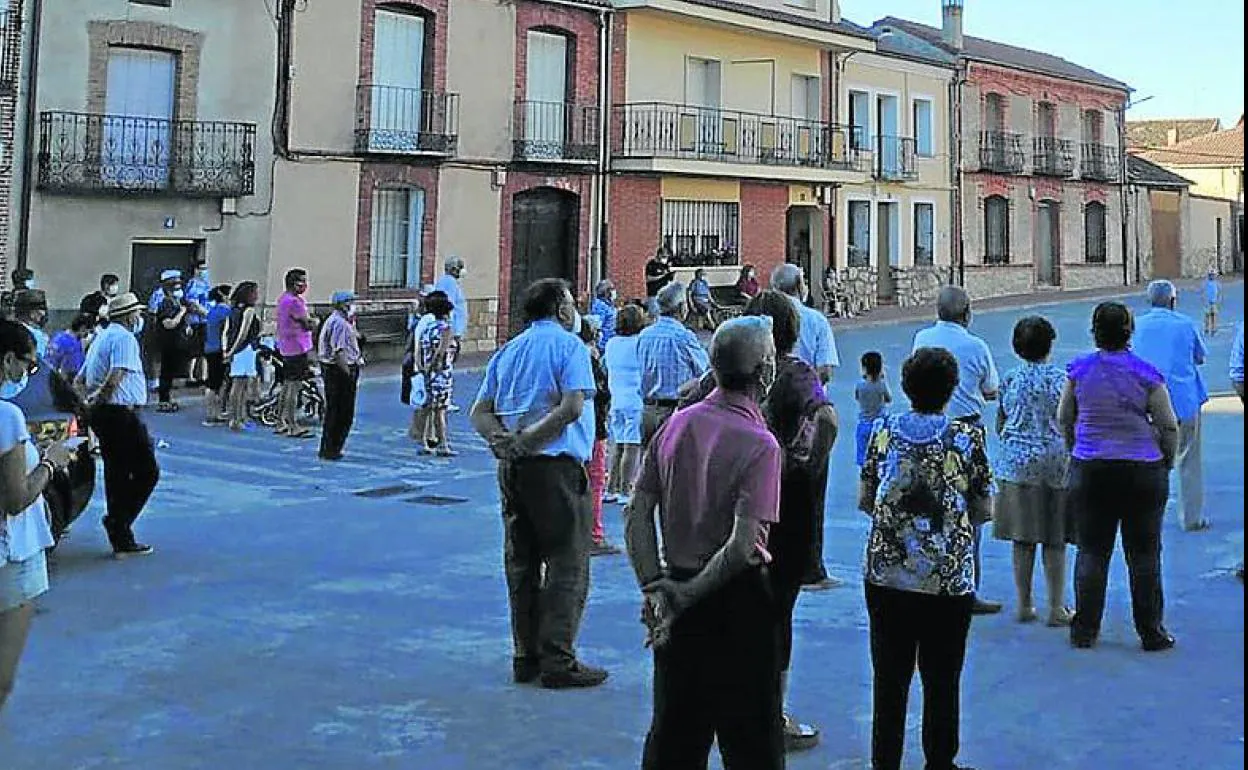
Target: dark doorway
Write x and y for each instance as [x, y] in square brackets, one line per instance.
[148, 259]
[544, 242]
[1167, 227]
[1048, 243]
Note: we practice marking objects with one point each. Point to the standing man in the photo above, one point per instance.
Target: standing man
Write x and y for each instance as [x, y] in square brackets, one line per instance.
[339, 352]
[603, 306]
[172, 335]
[197, 290]
[449, 282]
[1168, 340]
[112, 378]
[22, 280]
[30, 309]
[1237, 362]
[1213, 298]
[977, 385]
[713, 472]
[95, 304]
[294, 342]
[535, 409]
[659, 273]
[670, 356]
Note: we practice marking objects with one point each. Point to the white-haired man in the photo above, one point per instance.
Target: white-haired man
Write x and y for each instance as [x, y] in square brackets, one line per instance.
[816, 344]
[449, 282]
[670, 356]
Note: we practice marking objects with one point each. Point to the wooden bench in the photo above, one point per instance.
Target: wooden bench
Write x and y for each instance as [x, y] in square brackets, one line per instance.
[382, 327]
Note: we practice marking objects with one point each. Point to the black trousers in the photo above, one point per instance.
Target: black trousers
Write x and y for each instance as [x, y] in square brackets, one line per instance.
[653, 415]
[818, 491]
[1108, 494]
[130, 469]
[909, 627]
[791, 542]
[340, 389]
[717, 678]
[547, 523]
[171, 355]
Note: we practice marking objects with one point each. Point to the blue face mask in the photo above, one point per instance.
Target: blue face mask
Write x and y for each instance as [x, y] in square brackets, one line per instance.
[10, 390]
[138, 327]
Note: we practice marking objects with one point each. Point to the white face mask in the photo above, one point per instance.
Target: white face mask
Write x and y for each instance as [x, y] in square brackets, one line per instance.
[352, 310]
[10, 389]
[111, 291]
[178, 294]
[576, 322]
[138, 326]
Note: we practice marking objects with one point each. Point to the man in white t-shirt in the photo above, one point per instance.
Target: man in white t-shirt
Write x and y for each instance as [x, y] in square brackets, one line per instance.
[112, 377]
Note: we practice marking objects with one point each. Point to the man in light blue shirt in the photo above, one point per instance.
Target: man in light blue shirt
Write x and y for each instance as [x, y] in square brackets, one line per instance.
[536, 411]
[815, 343]
[1237, 361]
[1169, 340]
[670, 356]
[603, 306]
[977, 383]
[449, 282]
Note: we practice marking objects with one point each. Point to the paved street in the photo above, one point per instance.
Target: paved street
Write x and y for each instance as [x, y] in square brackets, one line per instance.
[353, 616]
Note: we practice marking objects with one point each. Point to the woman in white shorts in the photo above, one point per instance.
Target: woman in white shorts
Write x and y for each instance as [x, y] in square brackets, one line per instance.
[624, 382]
[24, 530]
[239, 339]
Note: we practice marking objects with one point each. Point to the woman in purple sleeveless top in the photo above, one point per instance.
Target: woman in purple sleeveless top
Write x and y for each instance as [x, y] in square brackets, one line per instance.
[1117, 420]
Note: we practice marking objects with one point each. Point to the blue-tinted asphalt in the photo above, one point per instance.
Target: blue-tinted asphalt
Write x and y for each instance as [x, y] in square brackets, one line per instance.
[285, 622]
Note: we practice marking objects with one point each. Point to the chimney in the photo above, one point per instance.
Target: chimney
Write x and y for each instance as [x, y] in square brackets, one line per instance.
[1172, 137]
[951, 26]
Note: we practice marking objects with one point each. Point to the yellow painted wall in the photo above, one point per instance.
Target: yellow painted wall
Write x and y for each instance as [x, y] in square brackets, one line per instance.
[756, 70]
[691, 189]
[1215, 182]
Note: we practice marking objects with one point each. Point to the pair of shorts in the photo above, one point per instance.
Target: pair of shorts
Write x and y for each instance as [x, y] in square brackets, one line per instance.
[243, 364]
[216, 370]
[624, 426]
[295, 368]
[22, 581]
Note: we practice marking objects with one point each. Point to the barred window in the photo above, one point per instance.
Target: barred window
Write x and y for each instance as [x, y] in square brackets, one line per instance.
[701, 232]
[996, 230]
[1094, 232]
[394, 261]
[924, 234]
[859, 242]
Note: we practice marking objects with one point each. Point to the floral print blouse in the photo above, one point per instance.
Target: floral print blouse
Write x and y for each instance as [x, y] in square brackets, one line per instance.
[1032, 448]
[919, 471]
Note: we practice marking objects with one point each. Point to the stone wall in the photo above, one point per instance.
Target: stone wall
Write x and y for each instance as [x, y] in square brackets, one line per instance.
[1076, 277]
[918, 286]
[998, 280]
[861, 285]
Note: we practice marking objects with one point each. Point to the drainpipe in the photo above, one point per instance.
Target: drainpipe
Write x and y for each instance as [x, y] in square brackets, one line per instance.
[29, 115]
[957, 243]
[838, 70]
[599, 218]
[1122, 193]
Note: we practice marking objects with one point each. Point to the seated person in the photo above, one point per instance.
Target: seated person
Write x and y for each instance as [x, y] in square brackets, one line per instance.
[700, 302]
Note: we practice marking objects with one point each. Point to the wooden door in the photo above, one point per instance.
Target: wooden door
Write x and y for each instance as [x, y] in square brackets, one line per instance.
[545, 225]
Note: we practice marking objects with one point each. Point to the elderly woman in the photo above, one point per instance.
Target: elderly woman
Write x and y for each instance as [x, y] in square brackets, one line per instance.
[1031, 470]
[436, 351]
[1117, 420]
[925, 485]
[804, 422]
[624, 422]
[747, 283]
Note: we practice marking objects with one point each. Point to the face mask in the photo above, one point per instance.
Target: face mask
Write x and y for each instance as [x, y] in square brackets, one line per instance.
[111, 291]
[30, 284]
[614, 295]
[767, 375]
[10, 389]
[203, 275]
[352, 310]
[178, 294]
[576, 323]
[751, 275]
[138, 326]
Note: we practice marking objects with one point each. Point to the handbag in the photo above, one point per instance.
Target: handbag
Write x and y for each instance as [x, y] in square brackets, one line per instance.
[419, 394]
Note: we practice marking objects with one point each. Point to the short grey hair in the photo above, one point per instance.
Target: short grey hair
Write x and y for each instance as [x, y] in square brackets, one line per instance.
[452, 262]
[952, 304]
[787, 279]
[739, 347]
[1161, 293]
[592, 322]
[671, 298]
[603, 288]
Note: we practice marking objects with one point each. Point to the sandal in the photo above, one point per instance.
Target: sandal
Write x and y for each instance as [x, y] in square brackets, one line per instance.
[167, 407]
[445, 451]
[1060, 617]
[799, 737]
[1027, 614]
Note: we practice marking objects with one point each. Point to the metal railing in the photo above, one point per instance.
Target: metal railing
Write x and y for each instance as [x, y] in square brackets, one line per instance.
[1001, 152]
[555, 131]
[894, 158]
[393, 120]
[89, 153]
[1099, 162]
[10, 50]
[1052, 156]
[663, 130]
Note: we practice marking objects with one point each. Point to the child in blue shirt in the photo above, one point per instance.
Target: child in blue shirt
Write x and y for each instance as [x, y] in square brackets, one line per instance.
[1213, 297]
[872, 396]
[214, 323]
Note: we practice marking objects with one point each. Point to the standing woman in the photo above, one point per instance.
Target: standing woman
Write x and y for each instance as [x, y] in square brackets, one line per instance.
[214, 354]
[438, 348]
[624, 383]
[1116, 417]
[1031, 470]
[24, 530]
[242, 333]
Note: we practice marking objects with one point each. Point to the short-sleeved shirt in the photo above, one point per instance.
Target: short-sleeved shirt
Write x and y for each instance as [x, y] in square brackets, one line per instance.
[197, 290]
[700, 290]
[292, 338]
[815, 343]
[703, 461]
[26, 534]
[1033, 450]
[658, 275]
[1111, 401]
[168, 310]
[920, 470]
[217, 315]
[1213, 291]
[527, 378]
[65, 353]
[670, 355]
[337, 334]
[455, 293]
[1170, 342]
[871, 396]
[976, 371]
[1236, 369]
[116, 347]
[606, 312]
[624, 373]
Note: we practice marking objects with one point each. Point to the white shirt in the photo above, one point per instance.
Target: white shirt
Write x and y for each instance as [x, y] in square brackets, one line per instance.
[459, 315]
[116, 347]
[623, 373]
[41, 339]
[22, 536]
[815, 343]
[418, 331]
[976, 371]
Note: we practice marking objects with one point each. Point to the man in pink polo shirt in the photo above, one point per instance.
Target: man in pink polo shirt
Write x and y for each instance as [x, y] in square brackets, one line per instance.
[294, 342]
[713, 472]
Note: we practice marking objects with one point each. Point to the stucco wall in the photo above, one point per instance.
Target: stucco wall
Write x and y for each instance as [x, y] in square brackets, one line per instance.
[324, 76]
[482, 41]
[1201, 244]
[1213, 182]
[314, 216]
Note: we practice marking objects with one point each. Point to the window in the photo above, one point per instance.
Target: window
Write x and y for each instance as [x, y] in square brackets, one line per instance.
[546, 94]
[924, 131]
[702, 81]
[138, 109]
[859, 246]
[398, 98]
[859, 120]
[1046, 120]
[701, 232]
[1094, 232]
[924, 234]
[394, 261]
[805, 89]
[996, 230]
[1093, 127]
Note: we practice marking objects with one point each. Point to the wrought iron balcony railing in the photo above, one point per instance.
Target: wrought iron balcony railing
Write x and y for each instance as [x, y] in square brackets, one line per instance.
[87, 153]
[1001, 152]
[391, 120]
[10, 50]
[1052, 157]
[1099, 162]
[555, 131]
[661, 130]
[894, 158]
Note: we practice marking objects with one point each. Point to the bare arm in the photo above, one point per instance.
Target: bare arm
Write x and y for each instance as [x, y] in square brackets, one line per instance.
[20, 488]
[1068, 413]
[641, 537]
[172, 323]
[1167, 425]
[106, 388]
[735, 556]
[827, 425]
[507, 445]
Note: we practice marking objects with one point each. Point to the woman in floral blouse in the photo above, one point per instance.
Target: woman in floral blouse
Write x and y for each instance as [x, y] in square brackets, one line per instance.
[1031, 470]
[920, 472]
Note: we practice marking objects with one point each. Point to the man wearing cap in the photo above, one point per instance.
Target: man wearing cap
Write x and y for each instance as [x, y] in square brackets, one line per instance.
[338, 349]
[112, 378]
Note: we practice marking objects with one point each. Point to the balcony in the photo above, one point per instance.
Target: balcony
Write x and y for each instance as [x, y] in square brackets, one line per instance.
[118, 154]
[405, 121]
[894, 159]
[1053, 157]
[1099, 162]
[10, 50]
[555, 132]
[1001, 152]
[658, 130]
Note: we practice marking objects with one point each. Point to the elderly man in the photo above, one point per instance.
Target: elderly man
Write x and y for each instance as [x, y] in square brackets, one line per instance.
[713, 473]
[815, 343]
[30, 309]
[603, 307]
[338, 349]
[1237, 362]
[1169, 340]
[977, 383]
[535, 409]
[670, 356]
[449, 282]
